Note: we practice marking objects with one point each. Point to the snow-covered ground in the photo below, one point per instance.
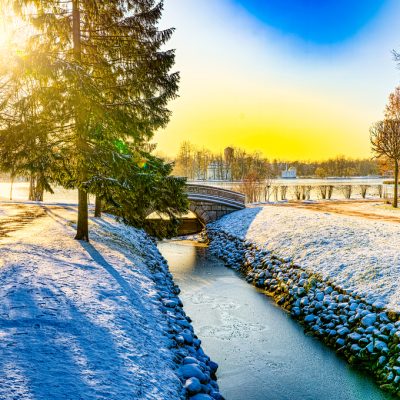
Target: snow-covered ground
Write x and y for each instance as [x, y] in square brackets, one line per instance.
[371, 207]
[79, 321]
[357, 253]
[19, 191]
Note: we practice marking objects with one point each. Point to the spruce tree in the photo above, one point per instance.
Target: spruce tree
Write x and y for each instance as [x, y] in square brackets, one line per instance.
[101, 76]
[141, 185]
[25, 148]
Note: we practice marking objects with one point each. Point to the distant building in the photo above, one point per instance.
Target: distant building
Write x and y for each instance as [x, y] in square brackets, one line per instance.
[218, 169]
[290, 173]
[229, 153]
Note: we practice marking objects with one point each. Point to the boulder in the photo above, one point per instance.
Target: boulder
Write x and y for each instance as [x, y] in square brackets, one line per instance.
[368, 320]
[192, 371]
[193, 385]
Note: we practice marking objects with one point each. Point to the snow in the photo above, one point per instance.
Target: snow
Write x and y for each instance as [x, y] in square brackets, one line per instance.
[355, 253]
[371, 207]
[20, 193]
[79, 321]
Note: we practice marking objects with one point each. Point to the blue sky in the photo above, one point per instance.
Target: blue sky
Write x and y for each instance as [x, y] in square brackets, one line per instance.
[316, 21]
[292, 79]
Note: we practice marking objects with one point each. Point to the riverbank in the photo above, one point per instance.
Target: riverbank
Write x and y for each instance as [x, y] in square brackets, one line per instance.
[262, 353]
[94, 321]
[336, 274]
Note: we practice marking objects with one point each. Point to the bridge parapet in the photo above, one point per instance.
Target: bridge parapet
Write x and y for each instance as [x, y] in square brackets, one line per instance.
[210, 203]
[217, 194]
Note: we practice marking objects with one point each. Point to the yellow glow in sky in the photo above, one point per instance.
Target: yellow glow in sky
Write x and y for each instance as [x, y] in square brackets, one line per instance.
[13, 33]
[243, 84]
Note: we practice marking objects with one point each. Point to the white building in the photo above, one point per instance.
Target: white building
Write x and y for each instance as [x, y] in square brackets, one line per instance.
[290, 173]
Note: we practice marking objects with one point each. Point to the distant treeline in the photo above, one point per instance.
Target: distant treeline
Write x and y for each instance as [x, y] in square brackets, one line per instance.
[237, 164]
[338, 166]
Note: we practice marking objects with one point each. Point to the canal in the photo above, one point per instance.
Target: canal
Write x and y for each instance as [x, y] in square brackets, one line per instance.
[262, 353]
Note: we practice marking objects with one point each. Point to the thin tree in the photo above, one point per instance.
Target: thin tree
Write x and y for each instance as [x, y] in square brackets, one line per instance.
[97, 207]
[385, 140]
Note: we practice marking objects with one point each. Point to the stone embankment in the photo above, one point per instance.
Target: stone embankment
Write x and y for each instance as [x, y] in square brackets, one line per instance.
[194, 368]
[365, 333]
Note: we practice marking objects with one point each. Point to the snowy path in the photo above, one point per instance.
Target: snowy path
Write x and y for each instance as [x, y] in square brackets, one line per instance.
[357, 253]
[79, 321]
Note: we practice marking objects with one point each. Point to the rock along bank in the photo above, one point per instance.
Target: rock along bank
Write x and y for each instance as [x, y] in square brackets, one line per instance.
[194, 368]
[365, 333]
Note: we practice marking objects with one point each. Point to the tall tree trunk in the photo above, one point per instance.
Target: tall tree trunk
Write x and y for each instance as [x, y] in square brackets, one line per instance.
[11, 186]
[39, 187]
[97, 207]
[82, 230]
[31, 187]
[396, 183]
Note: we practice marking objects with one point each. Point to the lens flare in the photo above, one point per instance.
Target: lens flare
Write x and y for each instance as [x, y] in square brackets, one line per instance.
[14, 33]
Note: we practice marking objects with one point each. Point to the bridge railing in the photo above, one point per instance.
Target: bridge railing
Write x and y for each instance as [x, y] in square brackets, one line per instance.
[216, 192]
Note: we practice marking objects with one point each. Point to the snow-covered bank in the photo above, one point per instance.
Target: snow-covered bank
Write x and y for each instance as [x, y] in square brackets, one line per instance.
[359, 327]
[92, 321]
[359, 254]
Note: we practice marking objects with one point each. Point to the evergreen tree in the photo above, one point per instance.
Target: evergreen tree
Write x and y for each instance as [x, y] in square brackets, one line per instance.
[25, 148]
[101, 76]
[142, 185]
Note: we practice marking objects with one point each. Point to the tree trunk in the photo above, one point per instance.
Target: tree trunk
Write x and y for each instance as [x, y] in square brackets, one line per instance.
[11, 186]
[82, 230]
[31, 187]
[39, 188]
[97, 207]
[396, 183]
[41, 194]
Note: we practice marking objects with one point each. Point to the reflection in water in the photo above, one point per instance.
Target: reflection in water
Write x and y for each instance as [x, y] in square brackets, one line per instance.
[262, 353]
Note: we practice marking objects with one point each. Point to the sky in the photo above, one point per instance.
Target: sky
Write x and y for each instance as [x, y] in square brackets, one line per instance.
[293, 79]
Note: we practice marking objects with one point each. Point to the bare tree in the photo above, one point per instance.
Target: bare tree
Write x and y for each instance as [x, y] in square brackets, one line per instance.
[385, 140]
[364, 190]
[268, 184]
[283, 189]
[346, 191]
[275, 191]
[330, 191]
[249, 187]
[297, 192]
[380, 190]
[307, 192]
[185, 161]
[323, 189]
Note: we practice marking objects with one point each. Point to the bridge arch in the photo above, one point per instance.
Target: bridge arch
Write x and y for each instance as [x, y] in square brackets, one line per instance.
[208, 204]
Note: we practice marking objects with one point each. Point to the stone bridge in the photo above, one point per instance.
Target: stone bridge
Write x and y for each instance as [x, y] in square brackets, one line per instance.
[211, 203]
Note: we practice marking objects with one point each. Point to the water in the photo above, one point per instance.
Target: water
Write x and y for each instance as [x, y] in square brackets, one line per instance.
[292, 186]
[262, 353]
[302, 181]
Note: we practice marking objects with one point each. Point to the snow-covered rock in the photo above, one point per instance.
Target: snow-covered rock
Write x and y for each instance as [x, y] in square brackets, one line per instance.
[353, 321]
[358, 254]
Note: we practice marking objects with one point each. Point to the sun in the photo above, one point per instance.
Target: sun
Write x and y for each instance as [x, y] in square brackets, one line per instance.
[4, 34]
[14, 33]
